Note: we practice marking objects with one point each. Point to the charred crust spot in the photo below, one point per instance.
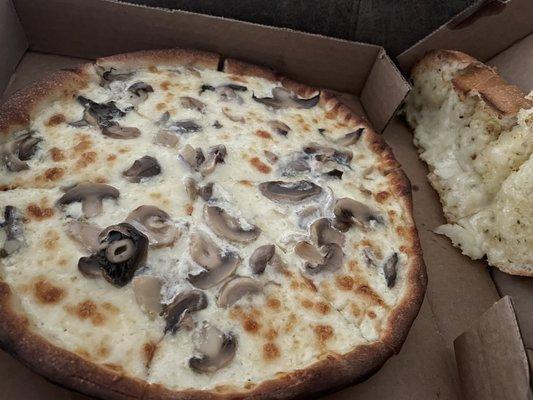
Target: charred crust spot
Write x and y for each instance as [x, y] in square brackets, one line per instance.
[46, 293]
[270, 351]
[260, 165]
[148, 352]
[273, 303]
[322, 308]
[323, 333]
[56, 119]
[57, 154]
[382, 196]
[345, 282]
[39, 213]
[263, 134]
[164, 85]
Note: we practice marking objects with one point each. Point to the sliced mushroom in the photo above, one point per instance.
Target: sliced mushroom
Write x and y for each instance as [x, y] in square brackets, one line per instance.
[155, 223]
[166, 138]
[236, 289]
[290, 192]
[389, 269]
[334, 173]
[204, 251]
[90, 195]
[279, 127]
[350, 138]
[229, 92]
[122, 251]
[85, 234]
[206, 191]
[147, 291]
[215, 155]
[261, 257]
[283, 98]
[325, 154]
[139, 91]
[228, 227]
[13, 231]
[308, 214]
[348, 210]
[323, 233]
[15, 152]
[102, 115]
[191, 187]
[232, 117]
[206, 88]
[217, 350]
[185, 126]
[193, 157]
[192, 104]
[329, 259]
[116, 131]
[144, 167]
[296, 166]
[183, 305]
[112, 75]
[212, 277]
[90, 267]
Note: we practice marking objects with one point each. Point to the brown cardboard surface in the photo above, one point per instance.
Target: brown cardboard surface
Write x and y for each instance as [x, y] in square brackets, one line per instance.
[424, 369]
[12, 42]
[491, 358]
[483, 38]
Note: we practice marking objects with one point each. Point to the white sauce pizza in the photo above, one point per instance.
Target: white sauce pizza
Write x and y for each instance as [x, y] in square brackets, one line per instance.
[176, 228]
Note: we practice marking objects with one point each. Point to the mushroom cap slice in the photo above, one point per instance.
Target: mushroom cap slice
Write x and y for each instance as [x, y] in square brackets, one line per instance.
[323, 233]
[191, 188]
[237, 288]
[15, 152]
[389, 269]
[192, 104]
[193, 157]
[116, 131]
[87, 235]
[316, 263]
[100, 114]
[347, 210]
[14, 231]
[279, 127]
[147, 291]
[217, 350]
[325, 153]
[204, 251]
[90, 195]
[212, 277]
[283, 98]
[290, 192]
[123, 250]
[155, 223]
[185, 126]
[89, 267]
[228, 227]
[215, 155]
[143, 167]
[261, 257]
[139, 92]
[166, 138]
[184, 304]
[350, 138]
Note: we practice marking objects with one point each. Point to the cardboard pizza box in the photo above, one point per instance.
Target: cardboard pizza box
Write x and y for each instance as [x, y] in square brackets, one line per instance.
[39, 36]
[499, 33]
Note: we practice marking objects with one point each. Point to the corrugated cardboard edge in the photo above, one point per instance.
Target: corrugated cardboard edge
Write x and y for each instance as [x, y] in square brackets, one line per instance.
[13, 42]
[491, 358]
[488, 36]
[384, 89]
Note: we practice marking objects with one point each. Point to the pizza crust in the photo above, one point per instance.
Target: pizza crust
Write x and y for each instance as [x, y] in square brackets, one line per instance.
[330, 372]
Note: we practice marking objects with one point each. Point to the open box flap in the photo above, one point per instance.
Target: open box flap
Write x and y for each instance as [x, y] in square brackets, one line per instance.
[491, 358]
[96, 28]
[12, 42]
[482, 30]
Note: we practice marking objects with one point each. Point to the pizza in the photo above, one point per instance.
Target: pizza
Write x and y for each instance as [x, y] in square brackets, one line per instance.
[181, 226]
[475, 132]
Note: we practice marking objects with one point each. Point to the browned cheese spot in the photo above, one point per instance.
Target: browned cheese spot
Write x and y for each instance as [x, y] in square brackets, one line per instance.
[291, 322]
[260, 165]
[356, 311]
[263, 134]
[382, 196]
[57, 154]
[270, 351]
[250, 324]
[87, 158]
[100, 179]
[160, 106]
[273, 303]
[102, 351]
[83, 353]
[34, 211]
[84, 143]
[344, 282]
[51, 174]
[62, 262]
[51, 240]
[110, 308]
[306, 303]
[153, 69]
[371, 314]
[56, 119]
[87, 310]
[370, 294]
[110, 158]
[322, 308]
[271, 334]
[148, 352]
[189, 209]
[165, 85]
[47, 293]
[323, 333]
[245, 182]
[114, 367]
[124, 150]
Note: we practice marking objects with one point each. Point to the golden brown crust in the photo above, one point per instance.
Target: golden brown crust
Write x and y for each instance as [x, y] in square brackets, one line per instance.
[333, 370]
[166, 57]
[16, 112]
[475, 77]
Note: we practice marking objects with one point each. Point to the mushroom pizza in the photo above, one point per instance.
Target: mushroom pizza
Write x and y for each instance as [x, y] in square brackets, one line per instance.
[176, 225]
